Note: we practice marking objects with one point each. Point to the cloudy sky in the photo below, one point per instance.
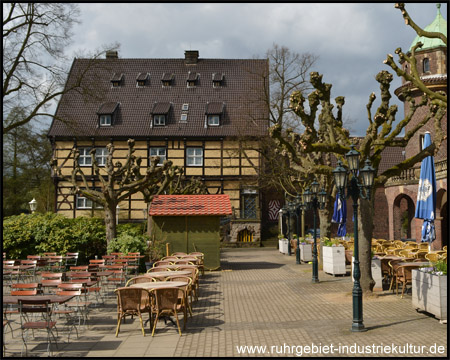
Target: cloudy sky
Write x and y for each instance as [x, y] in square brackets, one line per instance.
[351, 39]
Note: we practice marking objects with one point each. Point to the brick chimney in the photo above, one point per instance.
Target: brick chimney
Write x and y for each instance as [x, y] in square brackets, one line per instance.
[111, 54]
[191, 56]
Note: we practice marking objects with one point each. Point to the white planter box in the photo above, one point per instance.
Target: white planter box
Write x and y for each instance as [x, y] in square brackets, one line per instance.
[306, 252]
[334, 260]
[283, 246]
[376, 273]
[429, 293]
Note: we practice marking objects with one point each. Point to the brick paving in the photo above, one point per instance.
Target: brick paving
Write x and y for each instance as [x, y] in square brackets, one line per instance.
[261, 298]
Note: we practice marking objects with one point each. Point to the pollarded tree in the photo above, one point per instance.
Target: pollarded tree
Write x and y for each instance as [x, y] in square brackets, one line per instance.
[331, 138]
[119, 181]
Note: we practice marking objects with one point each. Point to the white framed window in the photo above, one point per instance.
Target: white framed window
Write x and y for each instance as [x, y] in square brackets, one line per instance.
[213, 120]
[183, 117]
[105, 120]
[191, 83]
[85, 203]
[159, 120]
[194, 156]
[85, 158]
[100, 156]
[185, 107]
[159, 151]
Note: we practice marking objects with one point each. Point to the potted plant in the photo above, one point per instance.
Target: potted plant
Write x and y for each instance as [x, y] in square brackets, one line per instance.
[429, 289]
[305, 250]
[333, 257]
[282, 244]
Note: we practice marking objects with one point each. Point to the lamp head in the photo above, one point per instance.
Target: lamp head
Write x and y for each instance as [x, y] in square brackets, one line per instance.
[353, 159]
[340, 176]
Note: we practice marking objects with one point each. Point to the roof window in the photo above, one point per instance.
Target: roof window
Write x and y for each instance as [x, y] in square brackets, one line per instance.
[106, 113]
[117, 80]
[192, 79]
[160, 113]
[142, 79]
[167, 79]
[218, 79]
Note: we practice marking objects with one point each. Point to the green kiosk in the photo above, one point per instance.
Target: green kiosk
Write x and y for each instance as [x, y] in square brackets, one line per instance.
[190, 223]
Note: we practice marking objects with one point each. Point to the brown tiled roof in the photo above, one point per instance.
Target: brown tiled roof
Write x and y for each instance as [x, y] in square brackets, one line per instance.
[190, 205]
[107, 108]
[161, 108]
[245, 112]
[214, 108]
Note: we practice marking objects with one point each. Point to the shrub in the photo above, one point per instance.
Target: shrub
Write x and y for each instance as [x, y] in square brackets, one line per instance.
[37, 233]
[128, 242]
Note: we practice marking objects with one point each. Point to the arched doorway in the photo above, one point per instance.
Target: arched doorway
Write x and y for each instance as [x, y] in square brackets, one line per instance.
[403, 215]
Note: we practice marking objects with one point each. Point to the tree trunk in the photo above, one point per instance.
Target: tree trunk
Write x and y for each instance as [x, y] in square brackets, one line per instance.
[365, 231]
[110, 222]
[325, 227]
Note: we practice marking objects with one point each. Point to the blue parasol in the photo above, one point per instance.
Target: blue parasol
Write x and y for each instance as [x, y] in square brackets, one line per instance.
[340, 215]
[426, 195]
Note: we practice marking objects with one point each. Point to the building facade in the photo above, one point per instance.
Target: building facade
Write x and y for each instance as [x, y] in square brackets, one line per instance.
[401, 192]
[192, 111]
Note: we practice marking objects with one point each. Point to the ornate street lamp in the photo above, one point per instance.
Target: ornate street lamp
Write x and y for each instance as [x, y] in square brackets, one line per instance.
[315, 200]
[33, 205]
[355, 191]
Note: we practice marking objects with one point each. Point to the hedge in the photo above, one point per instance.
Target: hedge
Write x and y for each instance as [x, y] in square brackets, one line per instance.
[30, 234]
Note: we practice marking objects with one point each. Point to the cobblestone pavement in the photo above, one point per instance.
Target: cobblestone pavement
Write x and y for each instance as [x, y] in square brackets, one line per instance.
[262, 298]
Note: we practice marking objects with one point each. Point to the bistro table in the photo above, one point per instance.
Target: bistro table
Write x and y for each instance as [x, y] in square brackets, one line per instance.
[160, 284]
[164, 274]
[54, 299]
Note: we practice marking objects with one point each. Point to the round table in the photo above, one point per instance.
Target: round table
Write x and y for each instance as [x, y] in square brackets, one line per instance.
[162, 274]
[160, 284]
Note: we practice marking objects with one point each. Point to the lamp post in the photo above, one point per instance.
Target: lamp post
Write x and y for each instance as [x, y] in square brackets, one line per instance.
[33, 205]
[289, 228]
[355, 190]
[315, 200]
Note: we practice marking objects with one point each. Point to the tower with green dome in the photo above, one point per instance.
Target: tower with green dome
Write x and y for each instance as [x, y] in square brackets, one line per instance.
[432, 67]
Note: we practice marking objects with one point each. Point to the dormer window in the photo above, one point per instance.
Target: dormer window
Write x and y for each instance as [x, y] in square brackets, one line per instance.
[160, 113]
[214, 113]
[192, 79]
[167, 79]
[142, 79]
[218, 79]
[105, 120]
[117, 80]
[213, 120]
[159, 120]
[106, 114]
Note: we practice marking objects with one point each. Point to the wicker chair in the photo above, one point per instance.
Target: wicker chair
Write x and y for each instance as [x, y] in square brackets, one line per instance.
[138, 280]
[187, 291]
[166, 303]
[133, 301]
[421, 254]
[433, 257]
[404, 277]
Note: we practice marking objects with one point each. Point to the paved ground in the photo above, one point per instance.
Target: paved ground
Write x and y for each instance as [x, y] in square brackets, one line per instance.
[262, 298]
